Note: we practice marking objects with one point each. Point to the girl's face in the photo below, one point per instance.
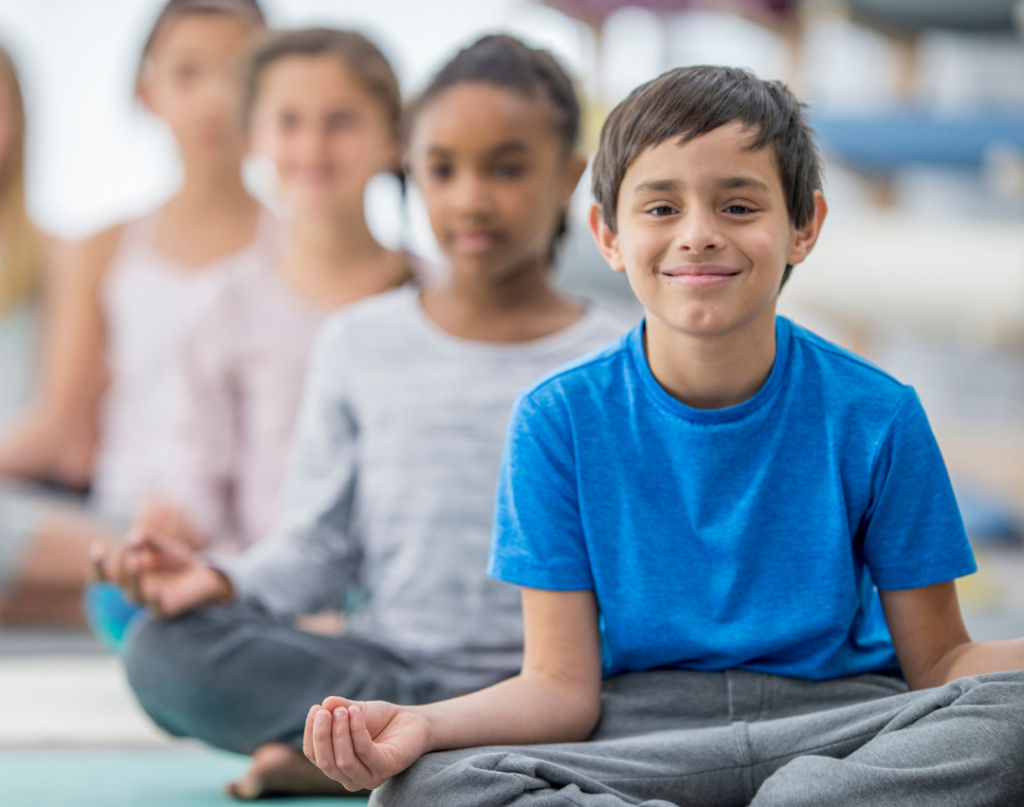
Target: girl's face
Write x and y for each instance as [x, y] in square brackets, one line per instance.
[190, 80]
[325, 133]
[493, 170]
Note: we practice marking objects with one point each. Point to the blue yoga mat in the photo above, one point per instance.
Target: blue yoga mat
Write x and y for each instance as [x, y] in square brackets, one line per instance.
[158, 778]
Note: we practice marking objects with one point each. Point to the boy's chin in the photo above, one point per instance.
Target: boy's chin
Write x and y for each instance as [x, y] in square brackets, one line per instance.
[701, 321]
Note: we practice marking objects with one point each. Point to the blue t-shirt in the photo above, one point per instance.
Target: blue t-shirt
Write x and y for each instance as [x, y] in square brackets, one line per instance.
[751, 537]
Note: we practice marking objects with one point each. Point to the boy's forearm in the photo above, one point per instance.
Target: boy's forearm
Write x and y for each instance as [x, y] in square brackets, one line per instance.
[977, 658]
[520, 711]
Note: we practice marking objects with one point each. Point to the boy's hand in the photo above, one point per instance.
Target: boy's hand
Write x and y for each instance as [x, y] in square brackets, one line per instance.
[363, 744]
[160, 572]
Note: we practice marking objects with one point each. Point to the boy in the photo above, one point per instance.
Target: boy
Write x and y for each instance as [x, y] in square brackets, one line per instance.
[749, 531]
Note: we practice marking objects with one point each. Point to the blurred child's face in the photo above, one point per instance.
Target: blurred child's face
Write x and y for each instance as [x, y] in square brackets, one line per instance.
[324, 132]
[495, 176]
[8, 125]
[190, 80]
[704, 233]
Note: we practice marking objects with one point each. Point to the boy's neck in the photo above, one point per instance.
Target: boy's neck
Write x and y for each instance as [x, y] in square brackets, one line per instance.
[712, 372]
[515, 309]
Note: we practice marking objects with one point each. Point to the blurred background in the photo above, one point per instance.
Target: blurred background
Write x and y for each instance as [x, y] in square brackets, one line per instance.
[919, 106]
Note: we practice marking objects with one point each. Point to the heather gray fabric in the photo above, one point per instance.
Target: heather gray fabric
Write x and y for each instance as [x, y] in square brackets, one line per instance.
[391, 481]
[735, 738]
[237, 677]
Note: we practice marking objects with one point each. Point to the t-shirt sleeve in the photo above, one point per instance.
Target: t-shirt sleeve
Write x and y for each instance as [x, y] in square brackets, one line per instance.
[914, 534]
[538, 539]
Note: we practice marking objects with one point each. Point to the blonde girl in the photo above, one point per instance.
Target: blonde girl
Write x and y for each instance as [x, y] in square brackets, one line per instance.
[127, 294]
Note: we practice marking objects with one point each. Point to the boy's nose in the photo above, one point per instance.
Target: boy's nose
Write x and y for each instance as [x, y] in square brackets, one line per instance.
[697, 233]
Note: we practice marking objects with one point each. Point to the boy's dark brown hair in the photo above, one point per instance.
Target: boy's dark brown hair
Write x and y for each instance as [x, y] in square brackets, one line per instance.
[691, 101]
[370, 67]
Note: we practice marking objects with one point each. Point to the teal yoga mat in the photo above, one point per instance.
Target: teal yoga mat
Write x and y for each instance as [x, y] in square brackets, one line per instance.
[158, 778]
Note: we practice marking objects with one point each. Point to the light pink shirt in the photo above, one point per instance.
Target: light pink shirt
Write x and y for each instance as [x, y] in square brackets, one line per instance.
[149, 301]
[243, 366]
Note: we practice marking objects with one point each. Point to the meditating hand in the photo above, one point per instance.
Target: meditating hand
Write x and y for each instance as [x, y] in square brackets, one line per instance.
[363, 744]
[161, 572]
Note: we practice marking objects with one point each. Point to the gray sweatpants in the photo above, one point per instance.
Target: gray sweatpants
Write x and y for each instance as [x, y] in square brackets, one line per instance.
[737, 738]
[237, 678]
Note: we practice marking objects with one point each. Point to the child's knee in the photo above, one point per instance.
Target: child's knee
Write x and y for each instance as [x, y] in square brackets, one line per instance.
[467, 778]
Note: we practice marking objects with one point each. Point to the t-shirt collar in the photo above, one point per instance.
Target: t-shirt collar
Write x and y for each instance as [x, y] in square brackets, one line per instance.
[783, 332]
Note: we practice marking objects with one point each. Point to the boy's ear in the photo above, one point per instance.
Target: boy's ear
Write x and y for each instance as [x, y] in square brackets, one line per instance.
[807, 236]
[607, 240]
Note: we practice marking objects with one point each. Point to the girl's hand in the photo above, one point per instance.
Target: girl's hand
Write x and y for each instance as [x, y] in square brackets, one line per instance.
[363, 744]
[162, 573]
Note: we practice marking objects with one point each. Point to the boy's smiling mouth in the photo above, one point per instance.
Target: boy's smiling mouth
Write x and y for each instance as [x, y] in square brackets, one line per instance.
[699, 275]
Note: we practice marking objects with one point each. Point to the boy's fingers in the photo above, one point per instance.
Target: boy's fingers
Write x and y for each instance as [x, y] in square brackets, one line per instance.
[366, 749]
[323, 747]
[344, 753]
[307, 735]
[335, 702]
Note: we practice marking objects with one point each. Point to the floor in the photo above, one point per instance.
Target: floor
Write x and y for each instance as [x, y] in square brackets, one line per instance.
[72, 735]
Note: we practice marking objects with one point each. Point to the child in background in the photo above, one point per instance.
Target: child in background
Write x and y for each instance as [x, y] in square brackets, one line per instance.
[28, 284]
[749, 531]
[325, 108]
[128, 293]
[391, 480]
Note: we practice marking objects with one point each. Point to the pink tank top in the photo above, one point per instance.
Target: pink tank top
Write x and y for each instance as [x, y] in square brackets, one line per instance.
[148, 302]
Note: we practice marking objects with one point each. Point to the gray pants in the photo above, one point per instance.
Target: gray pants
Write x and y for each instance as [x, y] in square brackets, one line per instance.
[237, 678]
[737, 738]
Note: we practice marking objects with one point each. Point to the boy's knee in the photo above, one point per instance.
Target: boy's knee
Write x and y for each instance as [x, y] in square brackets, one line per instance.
[466, 778]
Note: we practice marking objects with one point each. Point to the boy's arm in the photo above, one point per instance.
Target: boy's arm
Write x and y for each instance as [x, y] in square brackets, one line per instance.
[555, 698]
[933, 645]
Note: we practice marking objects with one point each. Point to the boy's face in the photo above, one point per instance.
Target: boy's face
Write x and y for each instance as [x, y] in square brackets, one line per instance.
[704, 234]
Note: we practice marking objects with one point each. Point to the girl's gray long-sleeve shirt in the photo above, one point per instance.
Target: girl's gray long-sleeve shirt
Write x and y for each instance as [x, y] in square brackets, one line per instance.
[392, 477]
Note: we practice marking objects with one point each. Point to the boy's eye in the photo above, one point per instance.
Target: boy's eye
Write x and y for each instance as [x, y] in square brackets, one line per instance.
[509, 170]
[738, 210]
[662, 210]
[288, 120]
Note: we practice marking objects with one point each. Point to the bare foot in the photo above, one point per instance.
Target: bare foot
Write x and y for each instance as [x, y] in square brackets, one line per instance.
[280, 770]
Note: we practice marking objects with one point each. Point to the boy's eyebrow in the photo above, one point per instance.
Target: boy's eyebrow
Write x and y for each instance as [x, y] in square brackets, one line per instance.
[733, 183]
[658, 185]
[674, 185]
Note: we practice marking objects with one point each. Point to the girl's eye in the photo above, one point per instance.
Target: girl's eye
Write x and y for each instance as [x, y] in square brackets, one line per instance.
[288, 121]
[509, 170]
[340, 121]
[186, 73]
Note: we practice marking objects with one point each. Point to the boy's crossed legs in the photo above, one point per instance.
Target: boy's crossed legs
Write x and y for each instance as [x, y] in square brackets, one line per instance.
[737, 738]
